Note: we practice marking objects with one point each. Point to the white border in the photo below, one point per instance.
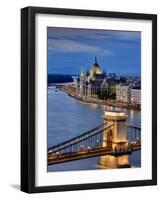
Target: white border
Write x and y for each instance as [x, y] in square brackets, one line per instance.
[92, 176]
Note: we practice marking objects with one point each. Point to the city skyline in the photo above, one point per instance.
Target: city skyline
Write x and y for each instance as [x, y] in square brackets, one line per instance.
[70, 49]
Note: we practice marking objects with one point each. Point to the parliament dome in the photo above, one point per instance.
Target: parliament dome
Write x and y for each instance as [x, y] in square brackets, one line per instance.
[95, 69]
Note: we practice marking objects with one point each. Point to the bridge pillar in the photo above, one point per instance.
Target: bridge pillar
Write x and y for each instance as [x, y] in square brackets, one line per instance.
[114, 138]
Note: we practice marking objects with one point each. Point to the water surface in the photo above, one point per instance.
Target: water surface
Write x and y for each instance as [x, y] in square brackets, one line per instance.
[68, 117]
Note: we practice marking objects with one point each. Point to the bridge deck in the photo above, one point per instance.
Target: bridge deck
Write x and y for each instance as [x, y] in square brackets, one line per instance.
[56, 159]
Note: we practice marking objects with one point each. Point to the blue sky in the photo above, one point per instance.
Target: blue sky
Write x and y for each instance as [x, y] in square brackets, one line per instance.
[70, 49]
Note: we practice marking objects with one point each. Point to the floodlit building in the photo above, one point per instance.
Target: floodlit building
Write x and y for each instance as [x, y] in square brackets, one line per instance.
[136, 95]
[123, 93]
[92, 83]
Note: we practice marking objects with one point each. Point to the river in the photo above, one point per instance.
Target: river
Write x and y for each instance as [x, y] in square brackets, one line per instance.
[68, 117]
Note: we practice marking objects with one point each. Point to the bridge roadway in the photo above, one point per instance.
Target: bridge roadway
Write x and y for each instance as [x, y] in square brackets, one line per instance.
[54, 158]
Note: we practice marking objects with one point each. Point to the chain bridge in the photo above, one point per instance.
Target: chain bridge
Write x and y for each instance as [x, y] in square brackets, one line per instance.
[113, 141]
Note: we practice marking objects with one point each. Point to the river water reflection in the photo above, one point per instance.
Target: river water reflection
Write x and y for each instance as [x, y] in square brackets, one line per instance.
[68, 117]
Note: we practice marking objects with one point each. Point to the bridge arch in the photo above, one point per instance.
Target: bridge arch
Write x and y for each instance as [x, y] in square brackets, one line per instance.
[108, 137]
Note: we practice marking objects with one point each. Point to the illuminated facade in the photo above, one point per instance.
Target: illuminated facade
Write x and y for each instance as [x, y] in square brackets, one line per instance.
[136, 95]
[93, 82]
[126, 94]
[115, 138]
[123, 93]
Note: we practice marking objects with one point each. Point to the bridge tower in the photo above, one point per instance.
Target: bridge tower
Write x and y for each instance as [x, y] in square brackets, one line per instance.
[114, 138]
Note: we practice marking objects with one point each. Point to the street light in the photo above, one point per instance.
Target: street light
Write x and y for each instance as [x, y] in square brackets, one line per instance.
[81, 147]
[57, 153]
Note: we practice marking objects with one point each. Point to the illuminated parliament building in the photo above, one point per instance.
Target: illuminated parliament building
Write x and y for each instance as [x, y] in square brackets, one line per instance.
[93, 83]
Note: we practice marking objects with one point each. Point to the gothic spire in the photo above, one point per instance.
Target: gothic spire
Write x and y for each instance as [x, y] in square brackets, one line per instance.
[81, 73]
[95, 59]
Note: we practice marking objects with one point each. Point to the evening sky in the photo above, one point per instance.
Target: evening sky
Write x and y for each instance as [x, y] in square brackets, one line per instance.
[70, 49]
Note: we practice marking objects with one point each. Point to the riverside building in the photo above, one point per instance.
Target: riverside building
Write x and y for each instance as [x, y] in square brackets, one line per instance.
[136, 95]
[128, 94]
[123, 93]
[92, 83]
[96, 84]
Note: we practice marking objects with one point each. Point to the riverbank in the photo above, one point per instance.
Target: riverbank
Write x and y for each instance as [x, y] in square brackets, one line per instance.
[112, 103]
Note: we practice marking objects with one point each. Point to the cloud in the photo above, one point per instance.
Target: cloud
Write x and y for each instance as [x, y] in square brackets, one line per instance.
[66, 45]
[88, 40]
[91, 34]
